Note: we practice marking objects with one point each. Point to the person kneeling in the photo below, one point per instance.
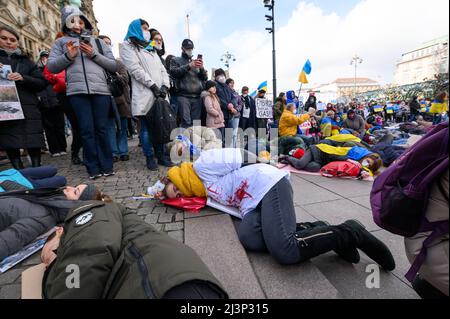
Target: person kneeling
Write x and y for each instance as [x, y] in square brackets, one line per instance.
[264, 196]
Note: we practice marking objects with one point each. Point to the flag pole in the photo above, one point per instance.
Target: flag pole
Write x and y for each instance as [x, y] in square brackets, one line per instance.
[300, 91]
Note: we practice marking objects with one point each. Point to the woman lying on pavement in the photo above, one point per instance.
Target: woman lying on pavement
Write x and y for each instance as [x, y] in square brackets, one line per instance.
[264, 197]
[27, 213]
[119, 256]
[322, 154]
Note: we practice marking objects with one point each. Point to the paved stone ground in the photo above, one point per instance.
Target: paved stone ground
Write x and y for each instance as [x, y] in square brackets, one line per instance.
[316, 198]
[132, 179]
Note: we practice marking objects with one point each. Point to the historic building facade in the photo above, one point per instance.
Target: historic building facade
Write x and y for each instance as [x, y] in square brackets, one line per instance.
[37, 21]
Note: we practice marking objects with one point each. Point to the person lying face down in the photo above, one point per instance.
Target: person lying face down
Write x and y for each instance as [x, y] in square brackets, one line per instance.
[26, 214]
[264, 197]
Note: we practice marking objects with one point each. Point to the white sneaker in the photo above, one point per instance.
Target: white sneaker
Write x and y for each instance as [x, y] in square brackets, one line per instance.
[63, 154]
[56, 155]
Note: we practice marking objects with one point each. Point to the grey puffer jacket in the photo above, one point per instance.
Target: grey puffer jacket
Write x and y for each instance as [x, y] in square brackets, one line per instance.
[25, 217]
[84, 75]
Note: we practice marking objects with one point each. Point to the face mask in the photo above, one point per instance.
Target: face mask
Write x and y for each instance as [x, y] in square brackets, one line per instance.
[147, 35]
[366, 163]
[158, 47]
[73, 22]
[189, 53]
[245, 95]
[221, 79]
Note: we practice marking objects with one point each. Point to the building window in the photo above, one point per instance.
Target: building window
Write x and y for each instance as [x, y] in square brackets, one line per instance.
[22, 3]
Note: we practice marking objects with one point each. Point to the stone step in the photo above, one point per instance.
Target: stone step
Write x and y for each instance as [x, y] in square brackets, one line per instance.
[215, 240]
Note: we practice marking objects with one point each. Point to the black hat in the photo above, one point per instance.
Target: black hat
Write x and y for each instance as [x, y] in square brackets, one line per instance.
[187, 44]
[262, 91]
[219, 72]
[89, 193]
[209, 85]
[44, 53]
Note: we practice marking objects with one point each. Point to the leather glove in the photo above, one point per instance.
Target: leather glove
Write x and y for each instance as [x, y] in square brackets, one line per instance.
[164, 92]
[156, 91]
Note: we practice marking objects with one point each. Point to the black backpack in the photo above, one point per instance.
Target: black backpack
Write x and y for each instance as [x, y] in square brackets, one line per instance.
[112, 79]
[161, 120]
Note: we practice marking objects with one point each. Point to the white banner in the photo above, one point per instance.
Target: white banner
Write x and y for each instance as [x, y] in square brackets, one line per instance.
[264, 109]
[10, 107]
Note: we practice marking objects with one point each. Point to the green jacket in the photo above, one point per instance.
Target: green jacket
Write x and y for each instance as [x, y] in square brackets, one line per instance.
[120, 257]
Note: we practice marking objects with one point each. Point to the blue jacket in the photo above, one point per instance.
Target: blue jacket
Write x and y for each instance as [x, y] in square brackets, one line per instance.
[13, 175]
[226, 97]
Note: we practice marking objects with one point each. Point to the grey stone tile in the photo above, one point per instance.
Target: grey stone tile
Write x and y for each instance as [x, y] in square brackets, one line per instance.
[215, 241]
[350, 280]
[339, 211]
[33, 260]
[151, 219]
[165, 218]
[302, 281]
[307, 193]
[173, 227]
[179, 217]
[347, 187]
[159, 210]
[362, 200]
[302, 215]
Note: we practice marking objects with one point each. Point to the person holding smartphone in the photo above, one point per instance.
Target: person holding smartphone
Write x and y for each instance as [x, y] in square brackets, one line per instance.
[190, 77]
[87, 61]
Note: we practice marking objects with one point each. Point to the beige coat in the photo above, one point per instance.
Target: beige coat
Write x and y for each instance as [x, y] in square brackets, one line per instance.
[435, 269]
[214, 117]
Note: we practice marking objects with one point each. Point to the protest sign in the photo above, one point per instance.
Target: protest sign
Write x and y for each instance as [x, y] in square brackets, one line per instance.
[264, 109]
[10, 107]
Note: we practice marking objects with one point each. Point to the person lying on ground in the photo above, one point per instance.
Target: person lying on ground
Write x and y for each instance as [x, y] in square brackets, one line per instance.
[31, 178]
[26, 213]
[119, 256]
[264, 197]
[322, 154]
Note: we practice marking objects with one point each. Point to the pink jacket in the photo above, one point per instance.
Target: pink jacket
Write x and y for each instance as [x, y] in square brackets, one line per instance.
[214, 118]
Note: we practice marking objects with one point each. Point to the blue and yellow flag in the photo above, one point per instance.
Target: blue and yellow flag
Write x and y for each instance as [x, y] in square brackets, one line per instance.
[302, 78]
[307, 69]
[253, 94]
[263, 86]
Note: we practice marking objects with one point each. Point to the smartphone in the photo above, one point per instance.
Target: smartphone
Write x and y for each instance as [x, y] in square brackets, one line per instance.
[200, 57]
[86, 39]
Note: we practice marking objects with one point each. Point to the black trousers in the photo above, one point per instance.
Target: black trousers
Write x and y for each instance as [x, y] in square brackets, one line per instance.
[54, 124]
[70, 114]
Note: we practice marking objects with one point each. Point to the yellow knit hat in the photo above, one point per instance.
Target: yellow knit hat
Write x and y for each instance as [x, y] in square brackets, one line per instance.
[187, 181]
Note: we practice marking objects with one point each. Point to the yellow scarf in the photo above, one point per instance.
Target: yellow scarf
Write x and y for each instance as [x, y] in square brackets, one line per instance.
[342, 138]
[340, 151]
[187, 181]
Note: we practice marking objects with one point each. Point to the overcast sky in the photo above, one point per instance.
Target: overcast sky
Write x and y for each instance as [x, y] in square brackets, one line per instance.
[328, 32]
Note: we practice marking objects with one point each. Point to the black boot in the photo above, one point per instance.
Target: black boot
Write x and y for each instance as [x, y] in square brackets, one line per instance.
[165, 161]
[151, 164]
[349, 254]
[76, 160]
[368, 243]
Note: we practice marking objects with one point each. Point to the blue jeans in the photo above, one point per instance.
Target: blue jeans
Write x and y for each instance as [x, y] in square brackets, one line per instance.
[44, 177]
[233, 123]
[118, 138]
[92, 112]
[150, 149]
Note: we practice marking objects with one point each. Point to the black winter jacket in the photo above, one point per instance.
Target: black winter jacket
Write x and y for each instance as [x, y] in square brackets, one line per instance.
[226, 96]
[27, 133]
[188, 82]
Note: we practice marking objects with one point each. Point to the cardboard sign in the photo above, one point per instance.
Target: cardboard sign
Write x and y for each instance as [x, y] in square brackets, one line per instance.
[10, 107]
[264, 109]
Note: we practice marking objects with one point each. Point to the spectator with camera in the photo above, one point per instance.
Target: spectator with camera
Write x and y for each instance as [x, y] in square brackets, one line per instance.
[149, 82]
[87, 62]
[190, 76]
[27, 133]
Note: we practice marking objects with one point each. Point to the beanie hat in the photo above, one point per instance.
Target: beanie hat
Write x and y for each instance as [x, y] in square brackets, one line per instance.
[187, 181]
[89, 193]
[209, 85]
[298, 153]
[219, 72]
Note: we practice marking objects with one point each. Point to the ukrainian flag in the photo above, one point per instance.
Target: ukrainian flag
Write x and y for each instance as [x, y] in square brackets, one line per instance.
[253, 94]
[302, 78]
[307, 69]
[378, 108]
[263, 86]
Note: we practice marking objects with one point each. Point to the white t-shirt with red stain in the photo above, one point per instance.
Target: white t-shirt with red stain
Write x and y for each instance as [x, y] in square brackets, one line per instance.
[230, 184]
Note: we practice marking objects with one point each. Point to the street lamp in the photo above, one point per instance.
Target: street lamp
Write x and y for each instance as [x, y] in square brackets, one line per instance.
[356, 60]
[228, 58]
[270, 5]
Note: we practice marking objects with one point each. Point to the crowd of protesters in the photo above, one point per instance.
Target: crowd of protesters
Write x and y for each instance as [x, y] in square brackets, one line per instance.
[103, 96]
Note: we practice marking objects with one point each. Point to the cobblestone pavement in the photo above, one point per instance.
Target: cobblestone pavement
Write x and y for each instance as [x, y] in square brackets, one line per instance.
[132, 179]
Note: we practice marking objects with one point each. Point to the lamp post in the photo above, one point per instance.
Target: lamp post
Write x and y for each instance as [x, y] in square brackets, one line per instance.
[356, 60]
[227, 58]
[270, 5]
